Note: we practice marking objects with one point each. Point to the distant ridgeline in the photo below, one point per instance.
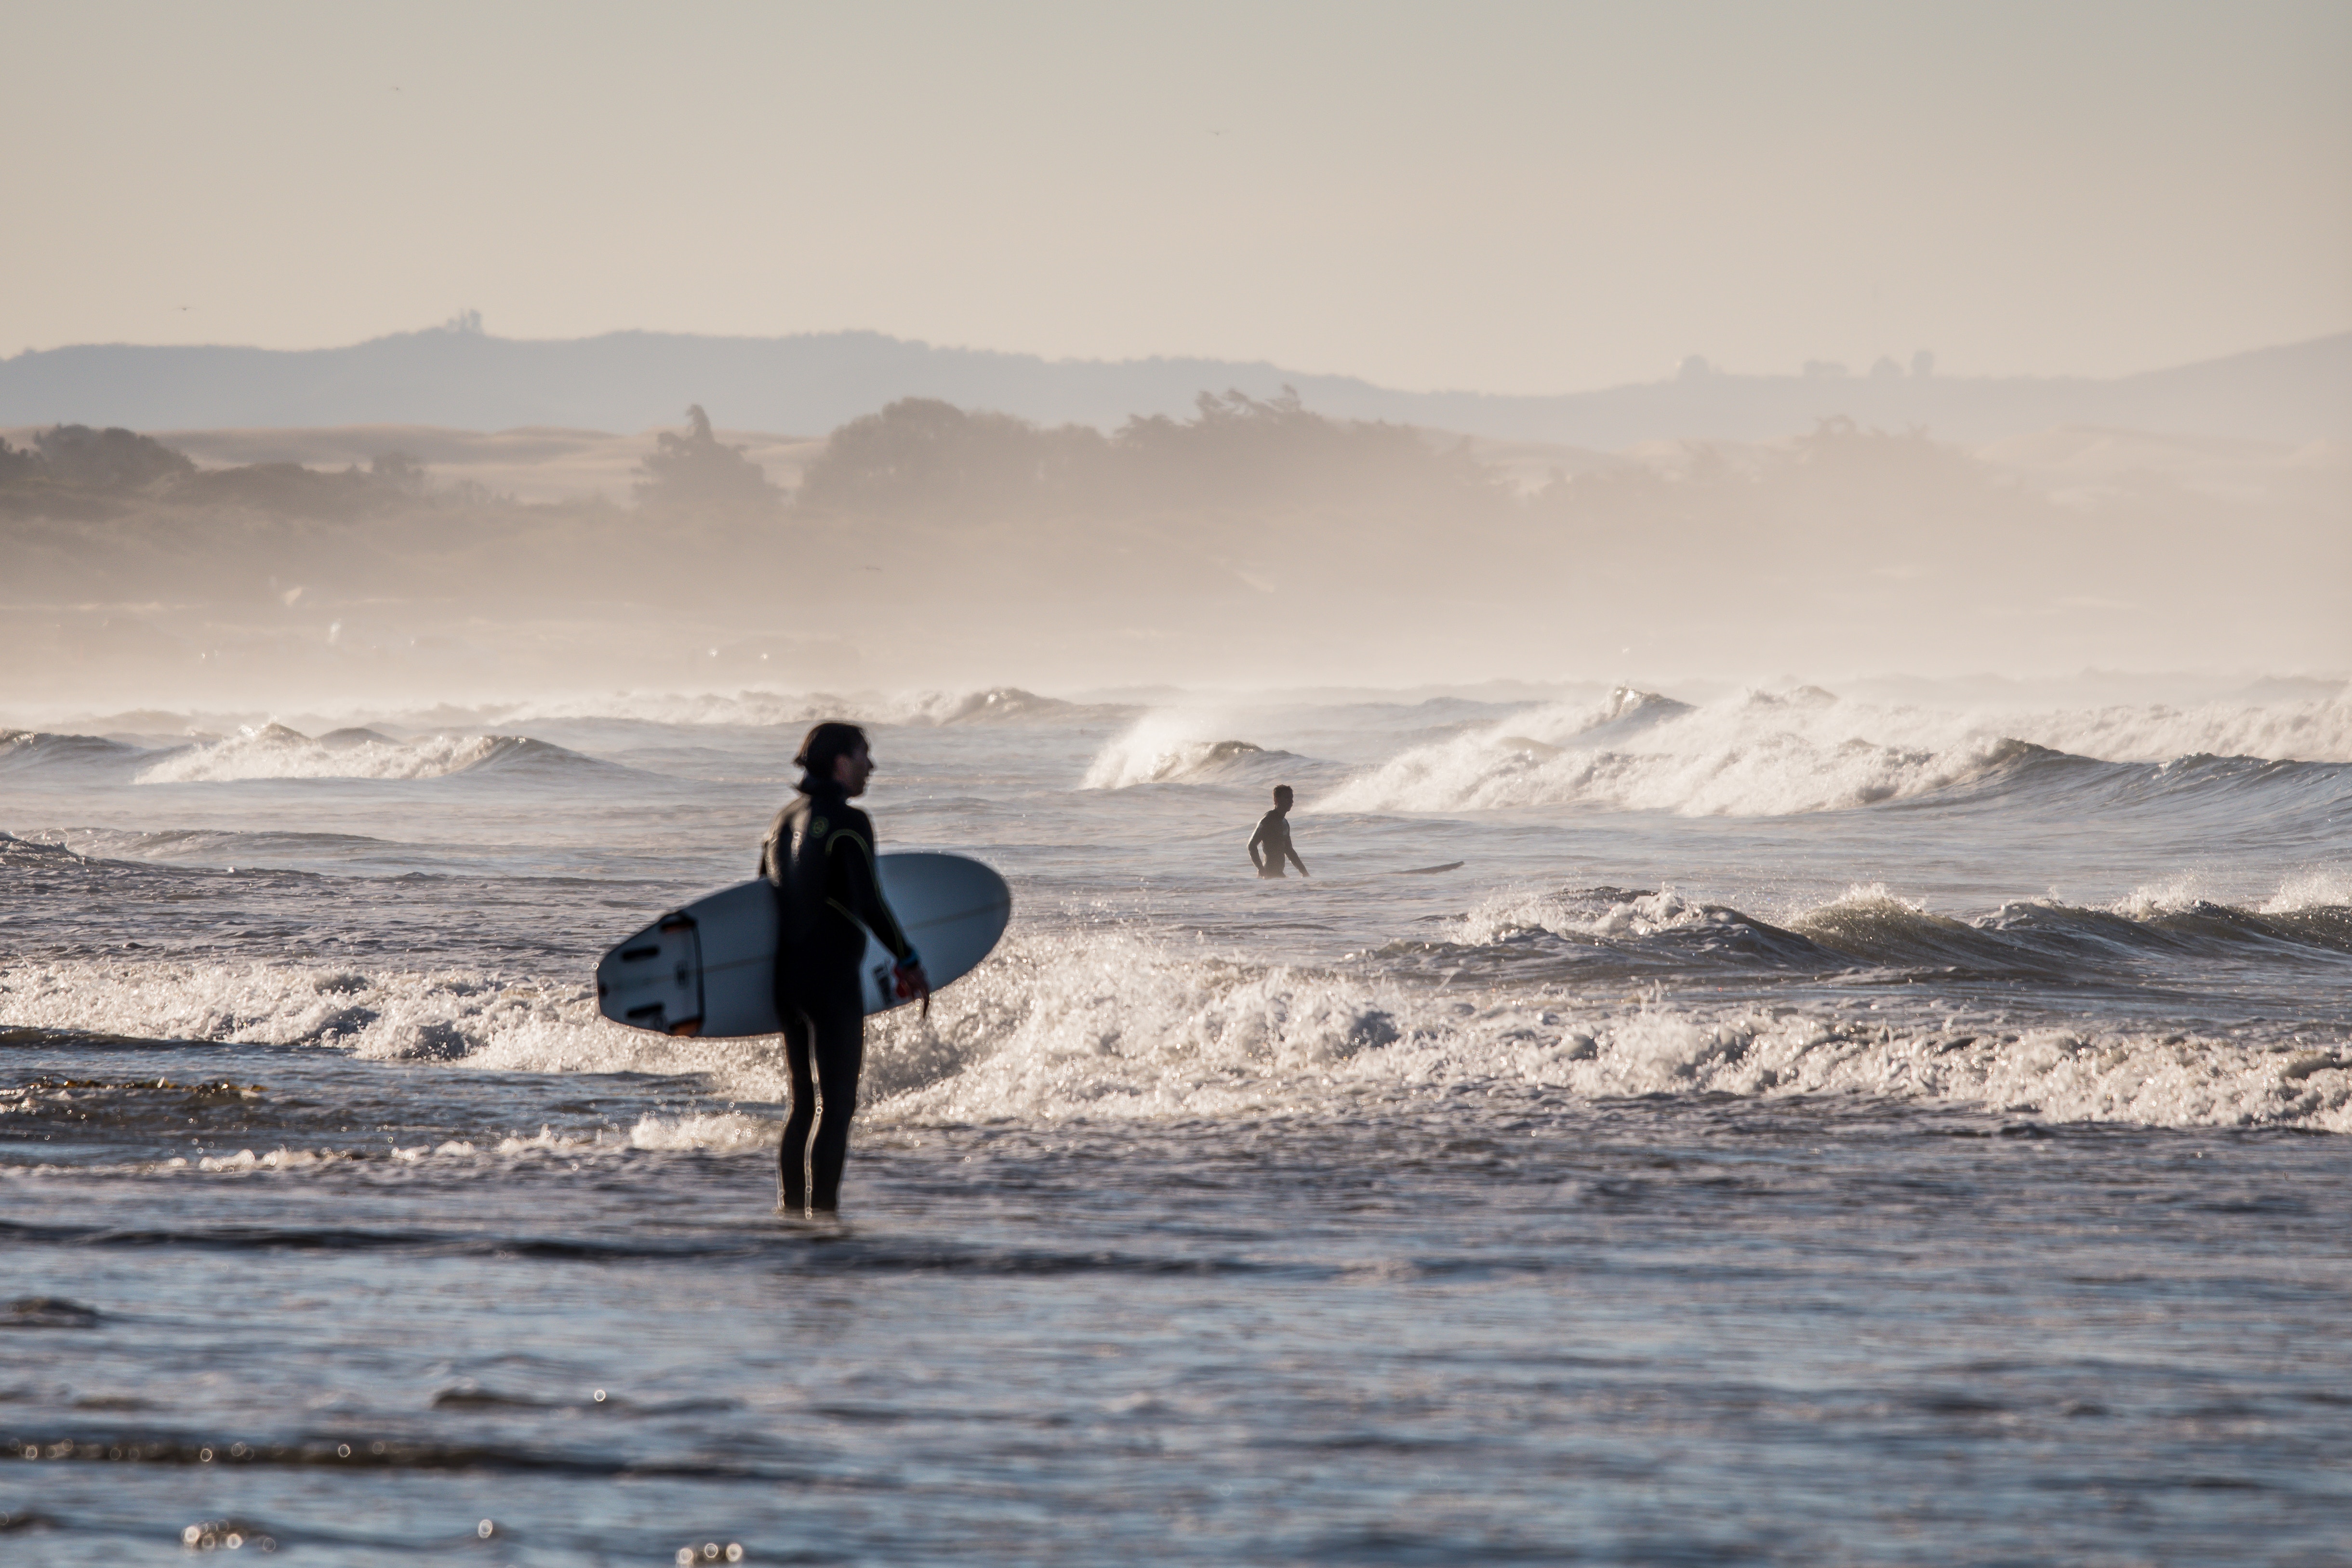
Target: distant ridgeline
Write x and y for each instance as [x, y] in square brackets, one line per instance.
[459, 377]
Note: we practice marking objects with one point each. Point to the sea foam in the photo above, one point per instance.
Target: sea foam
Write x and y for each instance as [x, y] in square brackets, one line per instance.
[1122, 1027]
[276, 752]
[1764, 753]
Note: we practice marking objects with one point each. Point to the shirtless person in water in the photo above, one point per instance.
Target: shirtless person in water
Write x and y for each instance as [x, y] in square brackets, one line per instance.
[1273, 833]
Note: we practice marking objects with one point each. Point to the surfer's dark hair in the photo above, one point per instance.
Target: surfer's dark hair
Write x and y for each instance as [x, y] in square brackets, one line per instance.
[826, 744]
[1281, 793]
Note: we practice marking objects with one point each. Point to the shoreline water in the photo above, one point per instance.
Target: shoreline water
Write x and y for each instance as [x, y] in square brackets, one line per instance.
[1932, 1176]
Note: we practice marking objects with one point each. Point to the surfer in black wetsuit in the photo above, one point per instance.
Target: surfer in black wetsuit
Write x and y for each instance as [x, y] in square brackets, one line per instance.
[820, 858]
[1273, 835]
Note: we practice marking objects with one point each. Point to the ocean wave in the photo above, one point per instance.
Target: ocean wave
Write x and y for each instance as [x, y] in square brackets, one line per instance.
[207, 845]
[276, 752]
[2287, 795]
[2317, 729]
[25, 750]
[1781, 754]
[1592, 935]
[756, 708]
[1593, 932]
[1185, 762]
[33, 854]
[1641, 752]
[997, 705]
[1116, 1025]
[1179, 747]
[1123, 1028]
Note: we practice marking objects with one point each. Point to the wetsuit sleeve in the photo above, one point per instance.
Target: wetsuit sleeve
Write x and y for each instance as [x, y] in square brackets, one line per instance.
[858, 886]
[771, 847]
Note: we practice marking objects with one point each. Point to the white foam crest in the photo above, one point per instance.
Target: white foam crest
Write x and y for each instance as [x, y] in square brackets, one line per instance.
[1162, 746]
[2183, 890]
[1633, 916]
[750, 708]
[715, 1133]
[1114, 1024]
[275, 752]
[449, 1148]
[1728, 759]
[757, 708]
[414, 1014]
[1764, 753]
[749, 1068]
[2315, 889]
[718, 1132]
[1873, 899]
[2306, 732]
[1515, 912]
[1118, 1027]
[276, 1160]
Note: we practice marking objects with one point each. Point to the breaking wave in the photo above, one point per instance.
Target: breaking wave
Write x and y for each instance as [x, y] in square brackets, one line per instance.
[1121, 1025]
[1131, 1034]
[1006, 705]
[433, 1014]
[1184, 762]
[276, 752]
[1781, 754]
[27, 750]
[1602, 933]
[1171, 747]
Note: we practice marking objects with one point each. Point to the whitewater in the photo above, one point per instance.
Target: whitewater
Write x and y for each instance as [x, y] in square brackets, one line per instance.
[1687, 1129]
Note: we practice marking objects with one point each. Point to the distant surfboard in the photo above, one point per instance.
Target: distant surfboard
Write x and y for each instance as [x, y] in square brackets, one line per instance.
[710, 968]
[1425, 871]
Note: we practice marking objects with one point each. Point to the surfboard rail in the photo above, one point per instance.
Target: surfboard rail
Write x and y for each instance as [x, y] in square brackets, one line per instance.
[708, 968]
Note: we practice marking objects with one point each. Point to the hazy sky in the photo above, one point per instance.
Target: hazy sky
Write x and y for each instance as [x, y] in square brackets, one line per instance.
[1511, 198]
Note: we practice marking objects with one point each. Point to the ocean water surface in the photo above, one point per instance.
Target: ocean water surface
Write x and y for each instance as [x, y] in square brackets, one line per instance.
[1778, 1128]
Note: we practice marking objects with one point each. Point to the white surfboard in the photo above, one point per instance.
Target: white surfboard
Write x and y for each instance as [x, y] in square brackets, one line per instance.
[710, 968]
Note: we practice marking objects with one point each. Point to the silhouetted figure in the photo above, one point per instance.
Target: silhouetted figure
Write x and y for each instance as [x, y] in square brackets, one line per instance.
[820, 857]
[1273, 835]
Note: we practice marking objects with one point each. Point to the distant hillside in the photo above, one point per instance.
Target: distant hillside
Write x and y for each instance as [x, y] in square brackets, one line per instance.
[811, 383]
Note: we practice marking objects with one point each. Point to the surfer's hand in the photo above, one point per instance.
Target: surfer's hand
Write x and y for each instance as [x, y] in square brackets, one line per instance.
[911, 982]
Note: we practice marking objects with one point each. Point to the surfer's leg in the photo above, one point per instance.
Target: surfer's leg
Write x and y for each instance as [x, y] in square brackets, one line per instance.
[791, 1157]
[840, 1036]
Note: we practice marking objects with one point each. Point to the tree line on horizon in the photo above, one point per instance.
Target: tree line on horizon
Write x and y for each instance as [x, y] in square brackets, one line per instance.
[1250, 518]
[915, 459]
[922, 459]
[928, 461]
[73, 472]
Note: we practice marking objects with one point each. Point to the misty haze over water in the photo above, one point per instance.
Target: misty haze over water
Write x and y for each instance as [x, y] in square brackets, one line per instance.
[1250, 540]
[459, 375]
